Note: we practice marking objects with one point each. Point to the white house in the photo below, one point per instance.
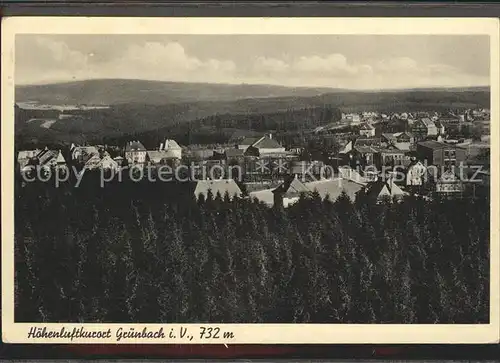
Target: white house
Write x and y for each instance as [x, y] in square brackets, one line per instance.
[367, 130]
[135, 152]
[415, 174]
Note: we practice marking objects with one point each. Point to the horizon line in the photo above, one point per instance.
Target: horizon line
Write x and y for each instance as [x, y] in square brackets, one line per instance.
[252, 84]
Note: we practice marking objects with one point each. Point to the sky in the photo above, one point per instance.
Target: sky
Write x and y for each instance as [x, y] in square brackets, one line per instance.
[337, 61]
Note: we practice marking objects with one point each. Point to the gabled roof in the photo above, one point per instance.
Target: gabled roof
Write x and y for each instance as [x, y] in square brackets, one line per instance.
[135, 146]
[392, 149]
[249, 140]
[383, 188]
[372, 141]
[388, 136]
[60, 158]
[366, 149]
[334, 188]
[427, 122]
[403, 146]
[438, 124]
[94, 160]
[404, 133]
[89, 150]
[431, 144]
[266, 143]
[45, 156]
[108, 159]
[171, 145]
[158, 155]
[367, 127]
[220, 186]
[291, 187]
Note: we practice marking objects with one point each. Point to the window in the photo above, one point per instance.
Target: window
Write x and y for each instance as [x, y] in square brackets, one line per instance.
[450, 157]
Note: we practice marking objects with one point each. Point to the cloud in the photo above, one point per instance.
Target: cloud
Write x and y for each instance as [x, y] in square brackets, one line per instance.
[45, 59]
[264, 64]
[333, 64]
[56, 61]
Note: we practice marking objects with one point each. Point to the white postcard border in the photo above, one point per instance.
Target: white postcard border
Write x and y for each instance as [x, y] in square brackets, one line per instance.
[244, 333]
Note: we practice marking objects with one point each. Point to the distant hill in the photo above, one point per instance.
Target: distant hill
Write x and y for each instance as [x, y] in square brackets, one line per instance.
[136, 117]
[117, 91]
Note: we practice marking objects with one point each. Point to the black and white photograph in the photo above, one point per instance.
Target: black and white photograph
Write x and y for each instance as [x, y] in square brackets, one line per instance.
[190, 178]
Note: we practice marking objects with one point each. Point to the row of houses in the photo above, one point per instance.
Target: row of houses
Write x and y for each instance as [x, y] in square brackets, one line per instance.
[393, 149]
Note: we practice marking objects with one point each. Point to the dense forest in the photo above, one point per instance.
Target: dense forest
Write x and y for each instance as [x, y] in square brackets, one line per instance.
[149, 252]
[151, 124]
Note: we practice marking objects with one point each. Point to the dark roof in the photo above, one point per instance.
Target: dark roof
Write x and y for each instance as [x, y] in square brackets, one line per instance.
[291, 187]
[267, 143]
[380, 188]
[431, 144]
[249, 140]
[372, 141]
[135, 146]
[404, 133]
[234, 152]
[388, 136]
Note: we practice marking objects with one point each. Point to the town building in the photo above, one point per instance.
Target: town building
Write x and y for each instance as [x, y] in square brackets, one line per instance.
[440, 154]
[401, 140]
[452, 122]
[440, 127]
[367, 130]
[81, 154]
[266, 146]
[247, 142]
[347, 173]
[105, 162]
[423, 129]
[289, 191]
[293, 187]
[363, 152]
[93, 162]
[234, 156]
[390, 156]
[25, 156]
[333, 188]
[449, 183]
[415, 174]
[172, 149]
[108, 163]
[135, 152]
[50, 159]
[302, 168]
[119, 160]
[351, 119]
[384, 188]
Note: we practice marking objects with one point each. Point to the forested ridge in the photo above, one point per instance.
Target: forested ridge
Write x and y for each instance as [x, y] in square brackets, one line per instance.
[148, 252]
